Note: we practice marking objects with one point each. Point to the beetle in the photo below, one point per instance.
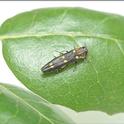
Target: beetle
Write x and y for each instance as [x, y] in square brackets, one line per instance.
[65, 58]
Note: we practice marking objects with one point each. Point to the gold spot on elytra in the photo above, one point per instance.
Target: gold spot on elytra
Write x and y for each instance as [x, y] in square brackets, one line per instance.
[65, 61]
[74, 51]
[51, 64]
[77, 57]
[63, 57]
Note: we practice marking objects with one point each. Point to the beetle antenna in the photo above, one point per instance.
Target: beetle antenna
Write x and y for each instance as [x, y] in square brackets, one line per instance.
[77, 45]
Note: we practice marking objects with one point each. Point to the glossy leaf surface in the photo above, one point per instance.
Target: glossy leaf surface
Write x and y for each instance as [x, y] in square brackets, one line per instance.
[31, 39]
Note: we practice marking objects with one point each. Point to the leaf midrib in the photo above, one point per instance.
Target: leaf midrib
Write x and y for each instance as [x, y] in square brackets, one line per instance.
[26, 103]
[69, 34]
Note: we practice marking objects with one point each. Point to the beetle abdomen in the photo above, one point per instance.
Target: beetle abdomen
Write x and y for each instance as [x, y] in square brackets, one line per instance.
[58, 62]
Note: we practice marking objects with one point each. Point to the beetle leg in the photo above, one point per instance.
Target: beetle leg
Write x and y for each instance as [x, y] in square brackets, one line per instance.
[57, 70]
[75, 67]
[59, 52]
[86, 60]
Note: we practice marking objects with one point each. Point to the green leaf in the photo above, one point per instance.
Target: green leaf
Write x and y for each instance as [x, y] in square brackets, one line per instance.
[31, 39]
[18, 106]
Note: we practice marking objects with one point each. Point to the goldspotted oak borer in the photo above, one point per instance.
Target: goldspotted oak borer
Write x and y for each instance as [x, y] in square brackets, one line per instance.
[65, 58]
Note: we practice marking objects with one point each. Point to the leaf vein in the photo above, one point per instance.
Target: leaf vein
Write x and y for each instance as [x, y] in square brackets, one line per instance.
[41, 115]
[69, 34]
